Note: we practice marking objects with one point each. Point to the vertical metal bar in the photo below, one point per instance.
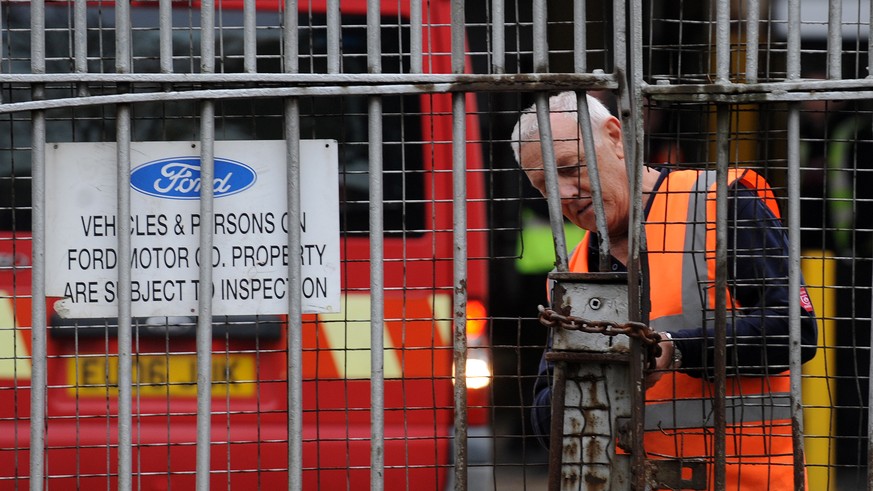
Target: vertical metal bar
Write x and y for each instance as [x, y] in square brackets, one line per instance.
[637, 301]
[165, 21]
[620, 44]
[584, 118]
[633, 130]
[540, 38]
[753, 21]
[204, 304]
[870, 47]
[377, 273]
[556, 431]
[2, 50]
[80, 42]
[869, 407]
[722, 76]
[721, 238]
[80, 55]
[377, 308]
[125, 332]
[580, 43]
[498, 39]
[459, 21]
[835, 40]
[793, 55]
[794, 361]
[629, 68]
[333, 36]
[722, 42]
[80, 35]
[415, 37]
[550, 170]
[125, 354]
[295, 309]
[619, 38]
[122, 35]
[207, 40]
[459, 238]
[250, 45]
[628, 32]
[794, 355]
[38, 308]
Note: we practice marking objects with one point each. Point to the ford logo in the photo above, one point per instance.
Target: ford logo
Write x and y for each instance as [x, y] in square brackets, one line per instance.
[179, 178]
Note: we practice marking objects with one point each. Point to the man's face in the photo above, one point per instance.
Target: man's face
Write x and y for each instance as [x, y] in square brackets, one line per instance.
[573, 182]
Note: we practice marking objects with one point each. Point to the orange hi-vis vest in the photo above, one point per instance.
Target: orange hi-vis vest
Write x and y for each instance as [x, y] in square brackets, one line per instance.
[679, 419]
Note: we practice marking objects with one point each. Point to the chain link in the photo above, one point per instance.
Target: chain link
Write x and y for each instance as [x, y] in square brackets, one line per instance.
[650, 339]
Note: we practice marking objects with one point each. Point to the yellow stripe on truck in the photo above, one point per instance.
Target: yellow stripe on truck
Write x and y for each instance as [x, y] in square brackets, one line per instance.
[441, 306]
[14, 362]
[348, 335]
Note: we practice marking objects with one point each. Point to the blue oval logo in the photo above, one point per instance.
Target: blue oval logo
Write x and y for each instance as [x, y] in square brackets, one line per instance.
[179, 178]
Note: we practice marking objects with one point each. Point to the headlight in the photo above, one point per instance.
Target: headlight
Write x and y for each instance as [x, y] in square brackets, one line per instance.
[478, 373]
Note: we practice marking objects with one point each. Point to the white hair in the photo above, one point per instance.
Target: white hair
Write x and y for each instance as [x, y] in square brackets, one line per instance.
[527, 129]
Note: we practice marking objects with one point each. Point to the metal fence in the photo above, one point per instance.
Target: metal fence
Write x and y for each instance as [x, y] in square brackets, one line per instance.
[410, 361]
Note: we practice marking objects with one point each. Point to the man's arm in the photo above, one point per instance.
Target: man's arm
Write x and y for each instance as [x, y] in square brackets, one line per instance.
[758, 281]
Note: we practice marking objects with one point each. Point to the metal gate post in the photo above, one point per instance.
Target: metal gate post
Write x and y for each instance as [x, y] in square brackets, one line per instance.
[592, 371]
[597, 397]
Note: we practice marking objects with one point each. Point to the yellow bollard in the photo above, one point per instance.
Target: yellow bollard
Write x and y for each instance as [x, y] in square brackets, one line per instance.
[819, 383]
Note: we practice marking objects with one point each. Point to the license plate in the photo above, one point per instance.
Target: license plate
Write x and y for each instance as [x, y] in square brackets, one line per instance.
[161, 375]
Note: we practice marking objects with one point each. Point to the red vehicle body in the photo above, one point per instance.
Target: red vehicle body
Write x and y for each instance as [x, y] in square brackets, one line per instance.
[250, 369]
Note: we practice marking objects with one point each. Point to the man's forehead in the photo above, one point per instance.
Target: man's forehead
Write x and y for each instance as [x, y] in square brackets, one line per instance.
[565, 149]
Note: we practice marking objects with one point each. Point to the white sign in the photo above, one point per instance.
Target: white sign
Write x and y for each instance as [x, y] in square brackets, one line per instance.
[250, 222]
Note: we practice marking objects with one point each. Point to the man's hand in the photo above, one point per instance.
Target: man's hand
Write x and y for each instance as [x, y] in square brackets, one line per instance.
[663, 362]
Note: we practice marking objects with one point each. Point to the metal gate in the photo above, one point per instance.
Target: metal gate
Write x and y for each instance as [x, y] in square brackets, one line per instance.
[411, 359]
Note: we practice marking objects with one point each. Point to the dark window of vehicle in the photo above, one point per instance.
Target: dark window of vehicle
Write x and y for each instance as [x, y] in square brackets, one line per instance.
[343, 118]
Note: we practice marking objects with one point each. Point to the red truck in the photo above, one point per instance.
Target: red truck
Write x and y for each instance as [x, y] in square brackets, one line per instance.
[250, 369]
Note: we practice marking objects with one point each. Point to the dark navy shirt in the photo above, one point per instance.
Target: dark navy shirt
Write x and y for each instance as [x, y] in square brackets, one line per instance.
[757, 339]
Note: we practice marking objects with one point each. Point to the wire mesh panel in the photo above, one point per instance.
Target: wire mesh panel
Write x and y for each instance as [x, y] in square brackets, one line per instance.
[428, 370]
[201, 397]
[744, 85]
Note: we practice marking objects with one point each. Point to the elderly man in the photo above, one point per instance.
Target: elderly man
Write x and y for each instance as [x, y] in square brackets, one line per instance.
[680, 238]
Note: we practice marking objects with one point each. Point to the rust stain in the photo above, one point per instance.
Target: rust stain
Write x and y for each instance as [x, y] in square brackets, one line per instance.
[572, 448]
[576, 426]
[561, 300]
[570, 479]
[595, 482]
[594, 450]
[593, 396]
[591, 382]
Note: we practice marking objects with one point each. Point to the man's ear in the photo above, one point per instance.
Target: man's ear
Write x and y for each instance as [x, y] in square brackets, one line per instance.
[612, 131]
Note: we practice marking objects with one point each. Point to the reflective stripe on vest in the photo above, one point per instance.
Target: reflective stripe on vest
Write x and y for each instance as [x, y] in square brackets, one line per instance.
[698, 413]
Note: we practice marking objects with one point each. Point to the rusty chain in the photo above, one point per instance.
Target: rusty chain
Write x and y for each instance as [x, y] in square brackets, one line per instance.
[650, 339]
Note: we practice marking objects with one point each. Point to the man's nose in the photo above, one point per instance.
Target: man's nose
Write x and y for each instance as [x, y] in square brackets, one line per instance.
[568, 189]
